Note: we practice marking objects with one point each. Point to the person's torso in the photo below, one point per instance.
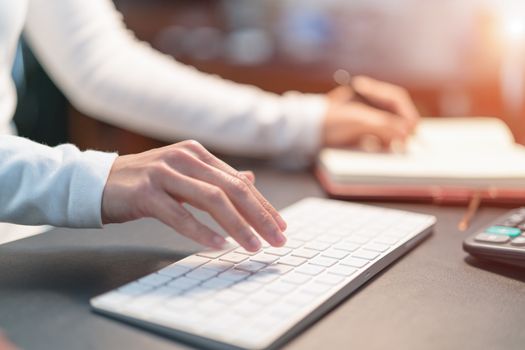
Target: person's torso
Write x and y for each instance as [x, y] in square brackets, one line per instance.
[12, 16]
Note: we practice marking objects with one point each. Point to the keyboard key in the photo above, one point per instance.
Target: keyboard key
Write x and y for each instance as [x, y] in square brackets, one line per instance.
[293, 243]
[329, 279]
[145, 302]
[250, 266]
[365, 254]
[180, 303]
[389, 240]
[296, 278]
[245, 252]
[377, 247]
[518, 241]
[264, 276]
[335, 254]
[485, 237]
[200, 293]
[247, 308]
[292, 261]
[213, 254]
[228, 296]
[218, 265]
[316, 245]
[234, 257]
[217, 283]
[155, 279]
[281, 287]
[305, 253]
[396, 232]
[300, 298]
[309, 269]
[281, 251]
[355, 262]
[328, 239]
[265, 297]
[503, 230]
[342, 270]
[247, 286]
[316, 288]
[357, 239]
[134, 288]
[264, 258]
[278, 268]
[305, 236]
[192, 262]
[323, 261]
[173, 270]
[183, 283]
[201, 274]
[234, 275]
[210, 307]
[347, 246]
[284, 309]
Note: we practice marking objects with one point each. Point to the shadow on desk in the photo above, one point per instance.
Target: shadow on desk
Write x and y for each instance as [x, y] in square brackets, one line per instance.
[80, 272]
[510, 271]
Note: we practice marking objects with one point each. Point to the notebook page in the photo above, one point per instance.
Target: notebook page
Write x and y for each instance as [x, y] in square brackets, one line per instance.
[455, 151]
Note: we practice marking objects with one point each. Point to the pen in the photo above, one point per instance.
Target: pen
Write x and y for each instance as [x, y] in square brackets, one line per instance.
[369, 143]
[473, 206]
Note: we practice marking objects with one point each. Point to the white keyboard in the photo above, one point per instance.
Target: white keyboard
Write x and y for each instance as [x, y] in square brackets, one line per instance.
[237, 299]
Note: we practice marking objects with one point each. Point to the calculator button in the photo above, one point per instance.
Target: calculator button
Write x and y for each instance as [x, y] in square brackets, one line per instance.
[518, 241]
[503, 230]
[485, 237]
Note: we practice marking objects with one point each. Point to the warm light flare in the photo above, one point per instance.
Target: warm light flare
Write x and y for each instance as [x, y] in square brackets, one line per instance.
[515, 28]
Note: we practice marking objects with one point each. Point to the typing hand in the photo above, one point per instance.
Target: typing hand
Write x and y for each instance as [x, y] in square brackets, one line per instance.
[156, 183]
[368, 107]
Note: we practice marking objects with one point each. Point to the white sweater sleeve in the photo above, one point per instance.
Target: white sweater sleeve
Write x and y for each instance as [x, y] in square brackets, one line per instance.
[108, 74]
[59, 186]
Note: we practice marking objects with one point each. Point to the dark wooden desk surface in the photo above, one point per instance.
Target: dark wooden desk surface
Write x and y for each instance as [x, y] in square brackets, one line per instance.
[433, 298]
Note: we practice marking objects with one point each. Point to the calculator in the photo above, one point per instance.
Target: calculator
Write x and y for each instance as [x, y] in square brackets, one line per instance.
[503, 240]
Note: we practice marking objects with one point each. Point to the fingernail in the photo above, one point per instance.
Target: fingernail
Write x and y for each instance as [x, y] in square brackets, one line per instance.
[254, 243]
[280, 239]
[282, 224]
[218, 241]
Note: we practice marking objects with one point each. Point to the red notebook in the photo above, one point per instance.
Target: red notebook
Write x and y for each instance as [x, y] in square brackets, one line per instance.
[448, 160]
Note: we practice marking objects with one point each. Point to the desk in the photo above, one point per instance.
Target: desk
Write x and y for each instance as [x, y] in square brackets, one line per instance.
[433, 298]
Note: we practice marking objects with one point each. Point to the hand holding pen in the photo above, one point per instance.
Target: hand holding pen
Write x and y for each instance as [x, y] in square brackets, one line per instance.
[368, 113]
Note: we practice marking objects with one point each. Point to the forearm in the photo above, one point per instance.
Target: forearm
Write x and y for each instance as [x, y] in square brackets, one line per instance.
[59, 186]
[110, 75]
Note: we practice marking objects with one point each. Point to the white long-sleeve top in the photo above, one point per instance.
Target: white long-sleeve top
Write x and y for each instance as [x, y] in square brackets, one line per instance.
[108, 74]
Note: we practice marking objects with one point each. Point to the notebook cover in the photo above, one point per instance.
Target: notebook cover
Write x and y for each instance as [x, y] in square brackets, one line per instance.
[424, 194]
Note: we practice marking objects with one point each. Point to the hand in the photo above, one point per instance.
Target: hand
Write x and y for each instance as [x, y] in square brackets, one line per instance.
[156, 183]
[390, 114]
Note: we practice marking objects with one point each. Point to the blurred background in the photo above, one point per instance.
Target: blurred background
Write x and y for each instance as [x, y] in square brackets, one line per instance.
[456, 57]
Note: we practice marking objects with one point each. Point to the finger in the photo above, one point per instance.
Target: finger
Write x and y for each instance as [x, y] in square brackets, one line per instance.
[388, 96]
[249, 175]
[173, 214]
[214, 201]
[241, 196]
[210, 159]
[387, 126]
[341, 94]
